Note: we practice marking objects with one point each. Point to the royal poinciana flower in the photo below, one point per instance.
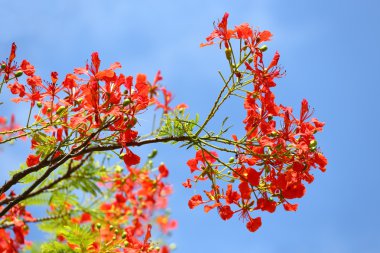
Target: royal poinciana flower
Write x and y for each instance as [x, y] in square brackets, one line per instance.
[275, 158]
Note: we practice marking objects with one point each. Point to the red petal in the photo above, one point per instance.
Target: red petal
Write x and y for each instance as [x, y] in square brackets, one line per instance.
[290, 207]
[274, 62]
[254, 224]
[32, 160]
[130, 158]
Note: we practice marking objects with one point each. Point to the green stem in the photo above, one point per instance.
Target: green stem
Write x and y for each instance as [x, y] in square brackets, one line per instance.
[30, 112]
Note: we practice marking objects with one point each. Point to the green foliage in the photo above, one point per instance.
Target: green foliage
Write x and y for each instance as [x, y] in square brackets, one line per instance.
[79, 235]
[86, 178]
[49, 247]
[177, 124]
[30, 178]
[37, 200]
[45, 142]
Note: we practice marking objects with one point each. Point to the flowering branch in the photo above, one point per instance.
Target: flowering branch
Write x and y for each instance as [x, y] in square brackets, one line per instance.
[93, 111]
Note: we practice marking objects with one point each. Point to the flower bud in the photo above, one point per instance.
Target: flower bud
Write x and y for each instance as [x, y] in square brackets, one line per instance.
[231, 160]
[118, 169]
[228, 52]
[126, 102]
[111, 227]
[78, 101]
[116, 231]
[263, 48]
[98, 225]
[39, 104]
[18, 73]
[273, 134]
[313, 145]
[3, 66]
[60, 109]
[124, 235]
[153, 154]
[132, 123]
[126, 243]
[250, 60]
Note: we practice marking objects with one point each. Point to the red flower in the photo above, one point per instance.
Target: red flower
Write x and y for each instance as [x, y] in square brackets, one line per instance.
[204, 158]
[321, 160]
[9, 68]
[244, 31]
[266, 205]
[69, 81]
[245, 190]
[130, 158]
[253, 177]
[295, 190]
[264, 36]
[168, 97]
[195, 200]
[85, 217]
[17, 88]
[163, 170]
[19, 234]
[225, 212]
[231, 196]
[222, 32]
[120, 199]
[27, 68]
[290, 207]
[254, 224]
[32, 160]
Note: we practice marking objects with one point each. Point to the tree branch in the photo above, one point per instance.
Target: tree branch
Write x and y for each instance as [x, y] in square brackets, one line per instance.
[11, 224]
[81, 150]
[49, 186]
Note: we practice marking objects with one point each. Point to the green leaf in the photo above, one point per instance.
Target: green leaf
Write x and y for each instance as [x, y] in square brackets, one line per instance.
[79, 235]
[37, 200]
[55, 247]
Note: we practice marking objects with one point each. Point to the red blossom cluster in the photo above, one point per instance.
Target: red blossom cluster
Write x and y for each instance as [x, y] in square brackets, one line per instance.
[139, 198]
[90, 107]
[88, 100]
[275, 157]
[18, 217]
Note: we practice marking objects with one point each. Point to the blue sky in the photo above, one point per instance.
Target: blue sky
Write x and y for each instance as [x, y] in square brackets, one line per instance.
[331, 52]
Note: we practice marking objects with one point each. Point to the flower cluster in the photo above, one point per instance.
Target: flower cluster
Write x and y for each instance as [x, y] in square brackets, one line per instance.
[90, 110]
[18, 217]
[139, 198]
[275, 157]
